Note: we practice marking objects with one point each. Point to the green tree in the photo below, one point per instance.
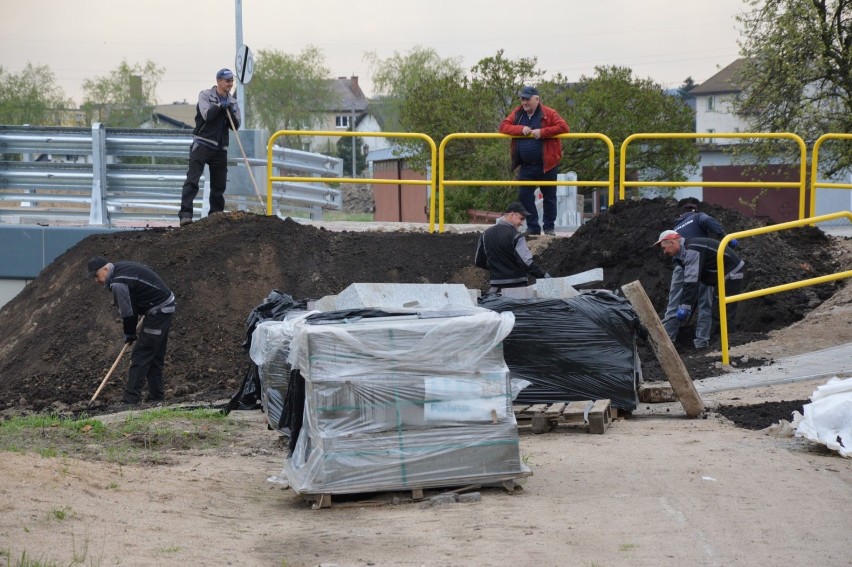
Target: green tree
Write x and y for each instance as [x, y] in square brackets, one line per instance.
[344, 152]
[290, 92]
[125, 97]
[797, 76]
[32, 97]
[616, 103]
[395, 77]
[612, 102]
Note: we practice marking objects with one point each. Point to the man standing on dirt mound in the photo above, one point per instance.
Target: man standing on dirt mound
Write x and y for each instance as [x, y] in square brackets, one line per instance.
[138, 290]
[217, 112]
[502, 250]
[697, 258]
[693, 224]
[537, 157]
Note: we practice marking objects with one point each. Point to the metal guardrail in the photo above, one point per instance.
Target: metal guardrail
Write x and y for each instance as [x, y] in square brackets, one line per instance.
[272, 180]
[97, 188]
[801, 184]
[609, 183]
[720, 266]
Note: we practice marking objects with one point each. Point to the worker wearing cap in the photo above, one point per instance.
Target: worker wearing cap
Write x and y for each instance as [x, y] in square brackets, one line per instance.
[217, 112]
[693, 224]
[537, 156]
[697, 258]
[502, 250]
[138, 290]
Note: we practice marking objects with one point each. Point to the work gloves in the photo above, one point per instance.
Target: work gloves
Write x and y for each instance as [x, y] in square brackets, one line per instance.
[683, 313]
[733, 243]
[129, 339]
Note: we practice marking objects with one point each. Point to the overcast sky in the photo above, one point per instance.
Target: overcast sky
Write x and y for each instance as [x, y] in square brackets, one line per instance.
[191, 39]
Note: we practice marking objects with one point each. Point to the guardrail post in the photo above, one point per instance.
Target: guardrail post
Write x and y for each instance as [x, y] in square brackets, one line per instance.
[98, 212]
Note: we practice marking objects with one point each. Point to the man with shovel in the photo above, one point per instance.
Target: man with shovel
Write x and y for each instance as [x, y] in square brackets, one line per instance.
[216, 113]
[138, 290]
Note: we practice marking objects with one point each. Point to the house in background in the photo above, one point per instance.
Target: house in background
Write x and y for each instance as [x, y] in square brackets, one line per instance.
[351, 108]
[714, 113]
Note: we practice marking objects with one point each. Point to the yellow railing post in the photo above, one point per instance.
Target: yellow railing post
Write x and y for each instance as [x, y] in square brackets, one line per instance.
[442, 181]
[815, 169]
[305, 179]
[802, 184]
[720, 266]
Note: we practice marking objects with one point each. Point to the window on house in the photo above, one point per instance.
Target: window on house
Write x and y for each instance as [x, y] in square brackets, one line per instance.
[341, 121]
[711, 103]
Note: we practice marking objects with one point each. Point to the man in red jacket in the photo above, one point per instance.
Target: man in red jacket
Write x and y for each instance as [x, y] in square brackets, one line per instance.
[536, 157]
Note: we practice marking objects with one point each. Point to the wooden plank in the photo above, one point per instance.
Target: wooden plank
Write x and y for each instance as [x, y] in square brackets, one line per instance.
[520, 408]
[599, 416]
[417, 494]
[555, 409]
[541, 424]
[576, 411]
[670, 362]
[536, 409]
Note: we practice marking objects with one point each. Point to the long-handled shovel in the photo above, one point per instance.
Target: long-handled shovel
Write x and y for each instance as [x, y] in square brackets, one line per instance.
[248, 165]
[115, 364]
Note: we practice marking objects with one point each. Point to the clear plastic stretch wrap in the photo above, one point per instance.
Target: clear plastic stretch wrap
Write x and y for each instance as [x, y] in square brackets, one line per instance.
[270, 349]
[582, 348]
[407, 401]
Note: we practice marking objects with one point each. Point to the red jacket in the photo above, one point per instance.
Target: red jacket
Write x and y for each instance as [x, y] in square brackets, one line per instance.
[551, 125]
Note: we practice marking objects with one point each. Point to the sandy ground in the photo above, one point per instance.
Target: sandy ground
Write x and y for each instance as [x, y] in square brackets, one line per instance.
[655, 489]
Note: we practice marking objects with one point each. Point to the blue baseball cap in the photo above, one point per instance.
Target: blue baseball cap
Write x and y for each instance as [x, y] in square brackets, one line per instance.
[224, 74]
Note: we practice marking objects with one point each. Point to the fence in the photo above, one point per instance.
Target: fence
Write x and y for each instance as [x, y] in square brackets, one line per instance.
[720, 266]
[801, 184]
[271, 180]
[609, 183]
[96, 185]
[815, 183]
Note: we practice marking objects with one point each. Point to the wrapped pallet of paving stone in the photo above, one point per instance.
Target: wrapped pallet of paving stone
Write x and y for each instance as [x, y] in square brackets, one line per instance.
[403, 401]
[270, 350]
[580, 348]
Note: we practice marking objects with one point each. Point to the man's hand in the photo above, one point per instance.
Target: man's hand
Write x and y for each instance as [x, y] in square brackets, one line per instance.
[683, 313]
[536, 133]
[527, 130]
[129, 339]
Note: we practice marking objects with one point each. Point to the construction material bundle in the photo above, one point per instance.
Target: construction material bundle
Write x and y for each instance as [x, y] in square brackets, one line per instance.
[398, 400]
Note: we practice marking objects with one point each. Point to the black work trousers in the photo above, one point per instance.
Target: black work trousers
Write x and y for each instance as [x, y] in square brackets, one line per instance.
[217, 161]
[147, 360]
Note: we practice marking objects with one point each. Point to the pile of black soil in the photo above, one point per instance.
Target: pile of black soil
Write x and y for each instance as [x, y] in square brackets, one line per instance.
[60, 335]
[761, 416]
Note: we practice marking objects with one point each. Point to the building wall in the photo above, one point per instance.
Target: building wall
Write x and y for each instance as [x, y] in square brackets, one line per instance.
[402, 202]
[714, 113]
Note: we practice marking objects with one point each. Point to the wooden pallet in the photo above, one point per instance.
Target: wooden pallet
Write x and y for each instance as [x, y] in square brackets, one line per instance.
[594, 414]
[324, 500]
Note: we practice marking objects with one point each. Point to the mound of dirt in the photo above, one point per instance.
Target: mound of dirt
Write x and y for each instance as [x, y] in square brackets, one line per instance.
[60, 335]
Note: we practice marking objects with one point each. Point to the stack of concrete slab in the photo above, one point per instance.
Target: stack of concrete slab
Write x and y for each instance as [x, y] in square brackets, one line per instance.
[403, 402]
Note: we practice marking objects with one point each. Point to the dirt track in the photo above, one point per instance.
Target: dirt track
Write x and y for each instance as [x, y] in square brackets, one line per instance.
[655, 490]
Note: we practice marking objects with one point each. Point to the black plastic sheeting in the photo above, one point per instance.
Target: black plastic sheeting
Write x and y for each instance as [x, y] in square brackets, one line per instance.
[274, 308]
[582, 348]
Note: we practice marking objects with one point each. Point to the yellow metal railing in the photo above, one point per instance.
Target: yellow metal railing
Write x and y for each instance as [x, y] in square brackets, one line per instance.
[303, 179]
[442, 181]
[801, 184]
[815, 168]
[724, 300]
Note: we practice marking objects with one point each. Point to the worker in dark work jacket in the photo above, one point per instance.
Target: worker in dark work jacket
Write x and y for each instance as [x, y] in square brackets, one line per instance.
[503, 251]
[693, 224]
[697, 258]
[216, 113]
[138, 290]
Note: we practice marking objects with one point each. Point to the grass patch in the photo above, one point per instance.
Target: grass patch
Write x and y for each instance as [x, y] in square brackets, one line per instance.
[143, 436]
